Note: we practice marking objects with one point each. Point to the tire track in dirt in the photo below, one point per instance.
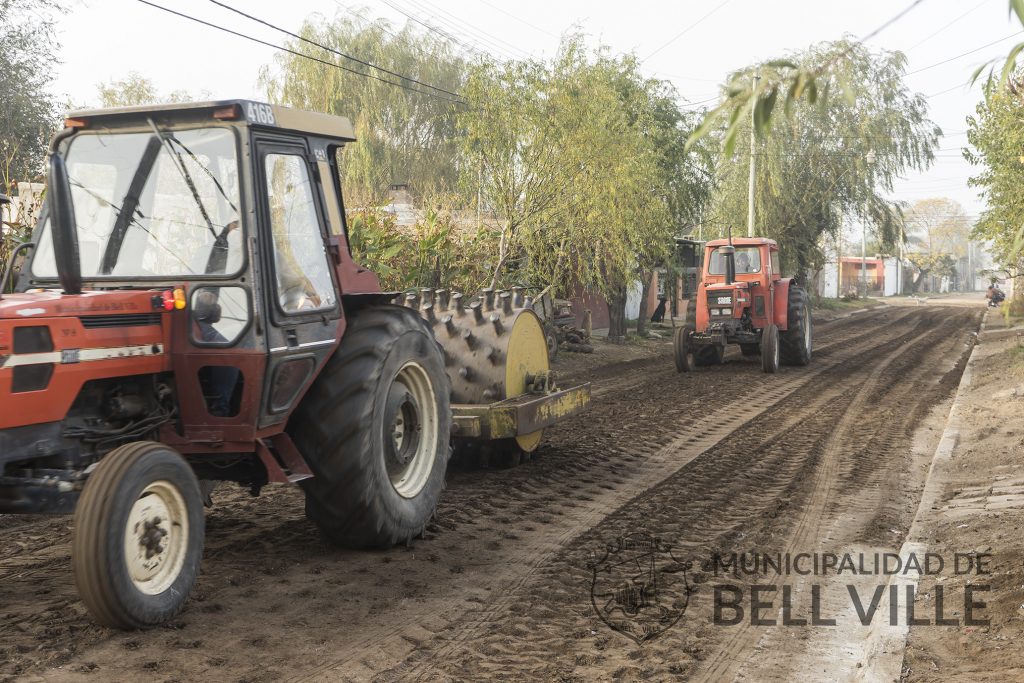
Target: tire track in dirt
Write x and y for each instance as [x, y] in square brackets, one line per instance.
[723, 479]
[727, 659]
[495, 530]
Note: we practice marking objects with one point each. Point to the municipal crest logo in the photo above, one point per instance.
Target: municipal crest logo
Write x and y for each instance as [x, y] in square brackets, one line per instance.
[638, 587]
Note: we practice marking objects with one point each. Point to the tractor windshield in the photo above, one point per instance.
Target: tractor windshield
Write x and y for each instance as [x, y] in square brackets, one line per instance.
[748, 260]
[152, 204]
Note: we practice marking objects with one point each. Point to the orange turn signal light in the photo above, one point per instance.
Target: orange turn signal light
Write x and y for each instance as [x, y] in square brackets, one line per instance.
[228, 113]
[75, 123]
[179, 298]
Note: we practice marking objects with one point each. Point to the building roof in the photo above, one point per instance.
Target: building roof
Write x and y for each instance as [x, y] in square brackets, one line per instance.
[259, 114]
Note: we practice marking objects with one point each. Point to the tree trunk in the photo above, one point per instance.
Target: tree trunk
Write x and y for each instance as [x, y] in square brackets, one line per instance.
[617, 315]
[645, 288]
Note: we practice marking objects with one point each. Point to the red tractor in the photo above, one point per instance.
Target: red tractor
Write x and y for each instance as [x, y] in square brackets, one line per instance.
[743, 299]
[190, 312]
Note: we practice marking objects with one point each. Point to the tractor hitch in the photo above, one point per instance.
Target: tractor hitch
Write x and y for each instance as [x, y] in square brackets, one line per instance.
[518, 416]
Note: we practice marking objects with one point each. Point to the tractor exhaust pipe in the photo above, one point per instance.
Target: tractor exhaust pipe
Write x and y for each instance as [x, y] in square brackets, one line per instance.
[63, 226]
[729, 252]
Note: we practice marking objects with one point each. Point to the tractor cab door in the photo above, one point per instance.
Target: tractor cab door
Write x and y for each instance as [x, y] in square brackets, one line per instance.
[302, 306]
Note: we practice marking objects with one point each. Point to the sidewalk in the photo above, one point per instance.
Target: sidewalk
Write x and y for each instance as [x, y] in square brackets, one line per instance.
[978, 513]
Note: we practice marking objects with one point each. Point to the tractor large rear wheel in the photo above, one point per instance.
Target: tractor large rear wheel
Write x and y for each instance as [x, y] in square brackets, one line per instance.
[374, 428]
[796, 342]
[138, 536]
[770, 348]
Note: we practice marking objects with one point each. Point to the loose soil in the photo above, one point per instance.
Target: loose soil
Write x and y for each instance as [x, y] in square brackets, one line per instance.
[724, 459]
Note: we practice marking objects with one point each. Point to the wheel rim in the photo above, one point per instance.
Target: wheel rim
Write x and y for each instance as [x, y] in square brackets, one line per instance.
[412, 427]
[156, 538]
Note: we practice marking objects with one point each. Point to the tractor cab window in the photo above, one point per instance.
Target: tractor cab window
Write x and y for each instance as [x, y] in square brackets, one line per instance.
[300, 258]
[776, 268]
[152, 205]
[748, 260]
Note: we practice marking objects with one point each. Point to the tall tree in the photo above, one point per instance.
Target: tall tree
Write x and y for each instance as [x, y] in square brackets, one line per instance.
[937, 234]
[406, 135]
[996, 135]
[829, 161]
[28, 111]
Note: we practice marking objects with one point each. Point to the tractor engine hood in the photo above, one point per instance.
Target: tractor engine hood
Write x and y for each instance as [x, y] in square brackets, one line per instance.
[51, 344]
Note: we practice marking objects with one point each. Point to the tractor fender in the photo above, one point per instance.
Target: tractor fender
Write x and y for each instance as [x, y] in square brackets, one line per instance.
[780, 302]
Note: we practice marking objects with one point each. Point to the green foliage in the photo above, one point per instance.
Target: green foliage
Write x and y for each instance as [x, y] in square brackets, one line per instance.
[996, 136]
[584, 164]
[440, 250]
[813, 169]
[404, 137]
[28, 112]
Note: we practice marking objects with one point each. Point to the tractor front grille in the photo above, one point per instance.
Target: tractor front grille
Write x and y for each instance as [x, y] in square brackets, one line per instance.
[720, 297]
[130, 320]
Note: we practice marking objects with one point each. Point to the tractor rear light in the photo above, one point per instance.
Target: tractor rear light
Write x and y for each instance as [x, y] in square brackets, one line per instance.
[168, 299]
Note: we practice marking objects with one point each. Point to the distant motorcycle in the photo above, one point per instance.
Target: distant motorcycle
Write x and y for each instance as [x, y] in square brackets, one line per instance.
[996, 298]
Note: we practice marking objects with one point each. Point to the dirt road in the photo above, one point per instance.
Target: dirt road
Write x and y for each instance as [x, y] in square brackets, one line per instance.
[720, 460]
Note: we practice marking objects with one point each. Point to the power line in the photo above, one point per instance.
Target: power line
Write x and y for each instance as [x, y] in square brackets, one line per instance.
[296, 53]
[686, 30]
[444, 34]
[470, 29]
[521, 21]
[891, 21]
[944, 27]
[333, 51]
[969, 52]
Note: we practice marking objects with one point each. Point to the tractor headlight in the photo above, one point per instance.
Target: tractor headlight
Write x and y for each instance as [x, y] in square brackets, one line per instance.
[715, 311]
[725, 311]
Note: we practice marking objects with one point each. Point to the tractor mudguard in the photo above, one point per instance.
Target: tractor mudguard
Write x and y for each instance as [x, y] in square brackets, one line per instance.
[780, 303]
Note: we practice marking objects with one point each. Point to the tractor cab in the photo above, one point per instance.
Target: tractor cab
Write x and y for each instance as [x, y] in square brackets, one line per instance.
[743, 299]
[202, 248]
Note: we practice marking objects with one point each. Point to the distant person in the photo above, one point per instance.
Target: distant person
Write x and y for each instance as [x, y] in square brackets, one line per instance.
[743, 262]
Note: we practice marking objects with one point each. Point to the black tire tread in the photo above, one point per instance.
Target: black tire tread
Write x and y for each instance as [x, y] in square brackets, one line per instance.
[93, 512]
[329, 429]
[792, 350]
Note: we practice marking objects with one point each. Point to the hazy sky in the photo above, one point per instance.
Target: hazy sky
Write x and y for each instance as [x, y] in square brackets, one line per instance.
[103, 40]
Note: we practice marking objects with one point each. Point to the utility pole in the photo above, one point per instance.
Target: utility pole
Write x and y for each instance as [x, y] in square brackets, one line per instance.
[839, 262]
[899, 267]
[753, 162]
[864, 258]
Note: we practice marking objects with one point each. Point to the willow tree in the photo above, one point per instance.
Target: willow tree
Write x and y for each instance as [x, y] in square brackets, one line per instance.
[996, 134]
[830, 161]
[567, 158]
[405, 129]
[28, 110]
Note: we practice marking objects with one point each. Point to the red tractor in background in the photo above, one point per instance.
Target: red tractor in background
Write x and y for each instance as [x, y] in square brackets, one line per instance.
[743, 299]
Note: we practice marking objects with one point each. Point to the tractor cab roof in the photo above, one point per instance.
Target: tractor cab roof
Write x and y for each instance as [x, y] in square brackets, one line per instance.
[248, 112]
[744, 242]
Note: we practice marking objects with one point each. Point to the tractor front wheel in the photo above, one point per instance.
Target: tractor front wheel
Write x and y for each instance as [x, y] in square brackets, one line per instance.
[797, 340]
[770, 348]
[374, 428]
[138, 536]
